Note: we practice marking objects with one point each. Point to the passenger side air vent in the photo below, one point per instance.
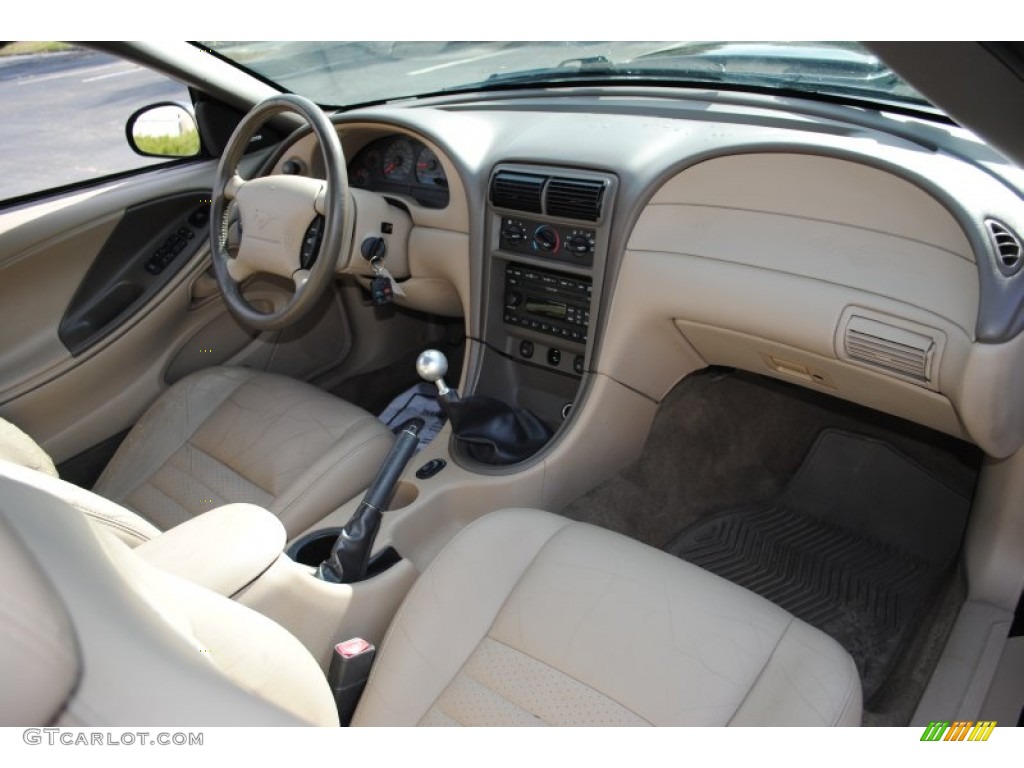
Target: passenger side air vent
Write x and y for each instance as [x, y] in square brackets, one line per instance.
[517, 191]
[575, 199]
[889, 347]
[1007, 246]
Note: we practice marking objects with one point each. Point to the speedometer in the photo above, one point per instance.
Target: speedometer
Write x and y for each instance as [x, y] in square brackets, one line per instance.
[398, 160]
[429, 170]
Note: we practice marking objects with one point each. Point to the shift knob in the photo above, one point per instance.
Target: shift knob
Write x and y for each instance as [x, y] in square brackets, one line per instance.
[432, 365]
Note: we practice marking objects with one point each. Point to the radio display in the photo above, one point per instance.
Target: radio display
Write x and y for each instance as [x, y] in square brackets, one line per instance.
[552, 309]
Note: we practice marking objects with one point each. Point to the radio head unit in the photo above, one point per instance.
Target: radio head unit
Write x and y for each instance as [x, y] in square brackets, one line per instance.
[547, 302]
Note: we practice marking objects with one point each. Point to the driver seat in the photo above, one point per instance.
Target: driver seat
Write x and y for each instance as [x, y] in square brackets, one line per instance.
[224, 435]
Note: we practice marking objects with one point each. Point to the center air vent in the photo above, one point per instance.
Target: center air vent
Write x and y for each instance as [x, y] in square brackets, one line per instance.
[575, 199]
[1007, 245]
[517, 191]
[561, 197]
[890, 347]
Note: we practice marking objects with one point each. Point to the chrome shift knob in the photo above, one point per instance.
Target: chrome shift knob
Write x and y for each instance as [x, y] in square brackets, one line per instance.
[432, 365]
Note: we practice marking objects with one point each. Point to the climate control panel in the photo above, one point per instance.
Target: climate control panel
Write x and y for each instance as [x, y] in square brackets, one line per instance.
[558, 242]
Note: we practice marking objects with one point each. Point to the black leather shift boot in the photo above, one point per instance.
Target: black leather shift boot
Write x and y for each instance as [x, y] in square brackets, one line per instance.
[493, 432]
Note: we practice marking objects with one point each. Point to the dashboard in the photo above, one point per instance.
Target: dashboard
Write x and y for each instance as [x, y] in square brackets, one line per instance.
[635, 240]
[401, 165]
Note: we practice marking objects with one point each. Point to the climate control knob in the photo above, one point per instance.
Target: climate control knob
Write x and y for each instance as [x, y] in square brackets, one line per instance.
[579, 244]
[513, 233]
[545, 239]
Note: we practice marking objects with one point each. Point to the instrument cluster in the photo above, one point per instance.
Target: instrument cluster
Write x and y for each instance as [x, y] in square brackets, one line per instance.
[401, 165]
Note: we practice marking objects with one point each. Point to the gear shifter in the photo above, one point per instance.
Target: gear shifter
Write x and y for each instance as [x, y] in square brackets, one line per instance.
[432, 365]
[490, 430]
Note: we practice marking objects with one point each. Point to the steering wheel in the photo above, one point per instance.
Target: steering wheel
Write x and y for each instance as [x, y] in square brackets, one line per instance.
[278, 218]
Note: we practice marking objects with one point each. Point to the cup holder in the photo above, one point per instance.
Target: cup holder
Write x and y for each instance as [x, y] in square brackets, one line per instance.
[313, 548]
[405, 494]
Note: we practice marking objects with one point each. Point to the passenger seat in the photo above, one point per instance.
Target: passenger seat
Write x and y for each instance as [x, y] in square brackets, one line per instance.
[528, 618]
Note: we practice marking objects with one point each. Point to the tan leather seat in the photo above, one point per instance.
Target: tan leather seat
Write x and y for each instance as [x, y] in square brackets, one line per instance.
[525, 618]
[92, 634]
[528, 618]
[235, 435]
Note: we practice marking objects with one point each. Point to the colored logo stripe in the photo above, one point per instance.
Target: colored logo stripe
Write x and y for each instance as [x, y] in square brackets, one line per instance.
[960, 730]
[982, 730]
[934, 731]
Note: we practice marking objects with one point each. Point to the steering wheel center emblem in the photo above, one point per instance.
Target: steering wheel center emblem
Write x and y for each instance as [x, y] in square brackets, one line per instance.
[262, 218]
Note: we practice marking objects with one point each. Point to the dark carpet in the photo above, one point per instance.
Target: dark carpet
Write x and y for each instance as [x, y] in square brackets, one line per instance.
[858, 544]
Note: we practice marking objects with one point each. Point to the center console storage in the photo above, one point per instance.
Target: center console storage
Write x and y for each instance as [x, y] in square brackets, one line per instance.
[224, 549]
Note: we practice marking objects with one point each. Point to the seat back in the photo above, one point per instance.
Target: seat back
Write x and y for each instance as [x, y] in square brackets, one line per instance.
[18, 448]
[94, 635]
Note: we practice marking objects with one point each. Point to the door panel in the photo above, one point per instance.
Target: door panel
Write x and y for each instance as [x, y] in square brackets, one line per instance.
[150, 244]
[70, 252]
[36, 286]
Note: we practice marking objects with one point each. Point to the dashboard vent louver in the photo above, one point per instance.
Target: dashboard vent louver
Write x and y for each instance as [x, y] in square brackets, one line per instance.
[889, 347]
[574, 198]
[1007, 245]
[517, 191]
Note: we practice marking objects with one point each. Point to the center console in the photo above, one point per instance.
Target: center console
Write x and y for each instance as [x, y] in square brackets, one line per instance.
[547, 234]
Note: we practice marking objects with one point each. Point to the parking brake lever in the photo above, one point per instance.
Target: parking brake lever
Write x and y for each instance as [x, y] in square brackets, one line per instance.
[350, 555]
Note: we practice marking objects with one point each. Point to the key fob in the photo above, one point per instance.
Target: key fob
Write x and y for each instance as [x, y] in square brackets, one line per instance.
[381, 291]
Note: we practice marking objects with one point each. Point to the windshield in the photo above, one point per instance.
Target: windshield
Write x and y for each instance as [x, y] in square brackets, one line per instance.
[340, 74]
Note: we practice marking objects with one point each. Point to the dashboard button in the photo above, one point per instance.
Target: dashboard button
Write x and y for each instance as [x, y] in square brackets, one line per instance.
[526, 349]
[554, 356]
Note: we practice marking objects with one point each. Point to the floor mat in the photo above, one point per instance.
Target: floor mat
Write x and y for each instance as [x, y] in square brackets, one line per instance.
[419, 401]
[859, 543]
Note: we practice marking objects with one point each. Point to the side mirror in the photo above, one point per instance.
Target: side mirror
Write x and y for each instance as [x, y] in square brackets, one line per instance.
[163, 130]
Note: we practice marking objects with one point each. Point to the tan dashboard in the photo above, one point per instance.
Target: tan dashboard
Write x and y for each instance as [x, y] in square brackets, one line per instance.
[827, 273]
[841, 275]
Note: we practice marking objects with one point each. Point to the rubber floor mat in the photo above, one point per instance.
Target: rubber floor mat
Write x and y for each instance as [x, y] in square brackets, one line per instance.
[857, 544]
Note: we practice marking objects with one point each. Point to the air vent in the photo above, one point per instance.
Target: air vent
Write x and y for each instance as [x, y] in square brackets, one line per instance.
[575, 199]
[1007, 245]
[517, 191]
[889, 347]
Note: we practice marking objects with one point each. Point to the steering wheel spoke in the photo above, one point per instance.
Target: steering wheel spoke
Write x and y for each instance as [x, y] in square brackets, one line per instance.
[320, 203]
[232, 186]
[300, 277]
[274, 214]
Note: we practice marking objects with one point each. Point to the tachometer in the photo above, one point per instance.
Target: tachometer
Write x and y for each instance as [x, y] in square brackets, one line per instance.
[429, 170]
[398, 160]
[361, 177]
